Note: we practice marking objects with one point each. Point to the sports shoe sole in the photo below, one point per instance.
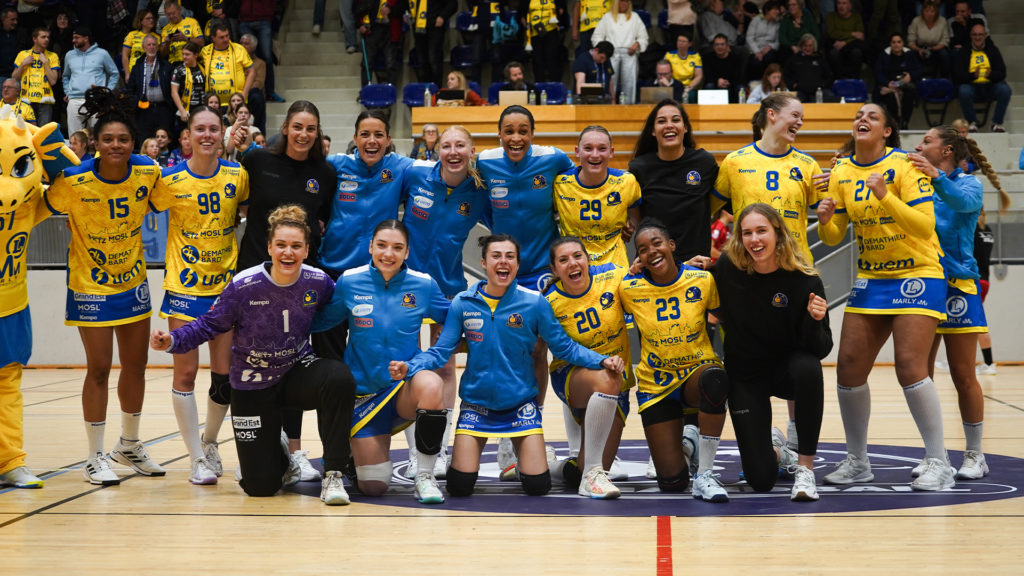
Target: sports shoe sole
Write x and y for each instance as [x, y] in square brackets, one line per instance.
[126, 461]
[91, 480]
[439, 499]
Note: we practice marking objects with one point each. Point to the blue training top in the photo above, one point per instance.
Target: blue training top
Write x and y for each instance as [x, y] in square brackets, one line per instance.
[958, 201]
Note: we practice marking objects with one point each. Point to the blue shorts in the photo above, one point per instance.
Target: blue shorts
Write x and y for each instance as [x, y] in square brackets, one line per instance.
[536, 281]
[185, 307]
[108, 310]
[672, 382]
[377, 414]
[15, 338]
[559, 384]
[924, 296]
[964, 312]
[484, 423]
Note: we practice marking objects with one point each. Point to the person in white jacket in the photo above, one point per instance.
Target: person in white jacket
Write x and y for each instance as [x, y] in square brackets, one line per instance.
[626, 31]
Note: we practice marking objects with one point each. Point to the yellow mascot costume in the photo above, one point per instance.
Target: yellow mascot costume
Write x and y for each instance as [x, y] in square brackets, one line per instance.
[27, 154]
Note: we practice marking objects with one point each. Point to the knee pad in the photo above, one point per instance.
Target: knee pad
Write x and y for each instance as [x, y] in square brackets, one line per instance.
[677, 483]
[571, 473]
[460, 483]
[536, 484]
[220, 388]
[714, 390]
[375, 473]
[430, 425]
[663, 411]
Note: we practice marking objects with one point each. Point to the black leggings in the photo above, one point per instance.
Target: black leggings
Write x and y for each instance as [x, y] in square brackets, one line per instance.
[796, 377]
[320, 384]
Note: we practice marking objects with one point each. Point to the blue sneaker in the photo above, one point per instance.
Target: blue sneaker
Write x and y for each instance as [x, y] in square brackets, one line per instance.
[275, 97]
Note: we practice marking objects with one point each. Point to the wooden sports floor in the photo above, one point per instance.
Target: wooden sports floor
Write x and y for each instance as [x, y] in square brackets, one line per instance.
[166, 525]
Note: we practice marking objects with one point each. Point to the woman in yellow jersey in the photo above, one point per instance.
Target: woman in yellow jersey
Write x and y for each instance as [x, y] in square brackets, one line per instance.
[678, 368]
[202, 195]
[106, 199]
[143, 25]
[584, 301]
[899, 290]
[598, 204]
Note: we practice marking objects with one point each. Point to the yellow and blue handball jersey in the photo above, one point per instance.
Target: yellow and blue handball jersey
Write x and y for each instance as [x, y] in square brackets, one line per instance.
[597, 215]
[887, 250]
[671, 320]
[786, 182]
[595, 318]
[202, 251]
[105, 255]
[15, 227]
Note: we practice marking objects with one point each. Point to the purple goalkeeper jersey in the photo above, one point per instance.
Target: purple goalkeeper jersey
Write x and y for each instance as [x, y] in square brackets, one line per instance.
[271, 323]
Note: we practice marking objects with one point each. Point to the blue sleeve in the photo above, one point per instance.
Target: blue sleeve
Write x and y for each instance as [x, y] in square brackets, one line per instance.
[333, 313]
[563, 347]
[218, 320]
[438, 354]
[963, 195]
[113, 76]
[439, 305]
[564, 162]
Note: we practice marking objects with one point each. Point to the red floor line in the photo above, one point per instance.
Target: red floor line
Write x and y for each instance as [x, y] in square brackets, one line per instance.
[664, 546]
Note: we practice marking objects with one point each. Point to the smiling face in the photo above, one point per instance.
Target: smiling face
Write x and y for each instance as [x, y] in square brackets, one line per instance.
[287, 249]
[655, 252]
[453, 81]
[501, 262]
[787, 122]
[372, 140]
[869, 124]
[205, 133]
[300, 134]
[760, 240]
[389, 249]
[456, 152]
[669, 128]
[114, 144]
[516, 136]
[571, 266]
[430, 135]
[162, 138]
[595, 151]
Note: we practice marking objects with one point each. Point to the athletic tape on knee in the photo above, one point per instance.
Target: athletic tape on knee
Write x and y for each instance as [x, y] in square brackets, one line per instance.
[220, 388]
[675, 483]
[430, 430]
[536, 484]
[375, 472]
[714, 390]
[460, 483]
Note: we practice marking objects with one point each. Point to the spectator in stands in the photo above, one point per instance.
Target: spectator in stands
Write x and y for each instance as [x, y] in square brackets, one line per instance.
[723, 68]
[884, 21]
[131, 49]
[10, 97]
[515, 78]
[218, 11]
[763, 39]
[542, 34]
[61, 32]
[665, 79]
[717, 20]
[38, 69]
[381, 25]
[626, 32]
[348, 22]
[256, 17]
[85, 66]
[257, 101]
[797, 22]
[585, 16]
[845, 32]
[12, 40]
[430, 25]
[226, 65]
[687, 67]
[187, 85]
[149, 86]
[681, 18]
[808, 70]
[593, 67]
[771, 81]
[897, 73]
[457, 81]
[960, 26]
[928, 37]
[980, 72]
[425, 147]
[178, 31]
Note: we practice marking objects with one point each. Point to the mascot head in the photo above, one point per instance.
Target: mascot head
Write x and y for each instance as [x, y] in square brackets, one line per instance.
[26, 154]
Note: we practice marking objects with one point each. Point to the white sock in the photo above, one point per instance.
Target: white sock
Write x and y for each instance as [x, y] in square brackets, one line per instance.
[599, 418]
[187, 415]
[130, 426]
[573, 432]
[855, 408]
[410, 439]
[973, 434]
[215, 414]
[425, 462]
[708, 450]
[94, 434]
[923, 400]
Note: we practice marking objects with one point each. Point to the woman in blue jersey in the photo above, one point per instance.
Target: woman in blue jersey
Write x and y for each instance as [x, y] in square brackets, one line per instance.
[385, 303]
[444, 201]
[958, 203]
[203, 196]
[899, 290]
[501, 322]
[270, 308]
[108, 296]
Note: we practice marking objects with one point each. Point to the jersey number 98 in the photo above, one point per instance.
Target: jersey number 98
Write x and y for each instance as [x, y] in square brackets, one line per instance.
[209, 204]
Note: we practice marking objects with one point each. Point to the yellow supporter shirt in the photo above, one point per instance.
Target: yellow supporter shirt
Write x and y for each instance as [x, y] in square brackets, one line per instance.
[34, 86]
[595, 318]
[225, 70]
[187, 26]
[895, 235]
[202, 251]
[133, 42]
[597, 215]
[980, 64]
[683, 68]
[750, 175]
[15, 227]
[105, 255]
[22, 108]
[542, 17]
[671, 320]
[591, 12]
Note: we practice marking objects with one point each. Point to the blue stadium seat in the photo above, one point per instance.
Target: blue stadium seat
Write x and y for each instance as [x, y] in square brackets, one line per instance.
[461, 57]
[492, 91]
[663, 19]
[935, 93]
[378, 95]
[645, 16]
[556, 92]
[463, 20]
[475, 87]
[854, 90]
[412, 93]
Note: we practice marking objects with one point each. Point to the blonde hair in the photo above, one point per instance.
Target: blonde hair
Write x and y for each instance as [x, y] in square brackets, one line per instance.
[145, 144]
[789, 255]
[615, 10]
[979, 157]
[478, 180]
[291, 216]
[463, 85]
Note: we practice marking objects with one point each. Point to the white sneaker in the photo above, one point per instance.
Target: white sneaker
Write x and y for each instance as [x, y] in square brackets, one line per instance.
[792, 440]
[937, 475]
[332, 489]
[212, 455]
[426, 491]
[441, 465]
[918, 469]
[651, 472]
[707, 487]
[986, 369]
[306, 471]
[787, 458]
[202, 472]
[22, 477]
[941, 366]
[691, 447]
[97, 471]
[804, 489]
[507, 459]
[974, 466]
[616, 473]
[410, 470]
[316, 29]
[134, 456]
[292, 474]
[852, 469]
[596, 485]
[550, 455]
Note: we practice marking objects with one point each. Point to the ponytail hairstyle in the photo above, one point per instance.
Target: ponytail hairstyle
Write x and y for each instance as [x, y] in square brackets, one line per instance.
[558, 242]
[787, 252]
[478, 180]
[595, 128]
[986, 169]
[774, 101]
[103, 106]
[391, 224]
[290, 216]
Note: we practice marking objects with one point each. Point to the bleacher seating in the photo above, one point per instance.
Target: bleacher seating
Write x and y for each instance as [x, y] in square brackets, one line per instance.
[412, 93]
[556, 92]
[379, 95]
[935, 93]
[852, 89]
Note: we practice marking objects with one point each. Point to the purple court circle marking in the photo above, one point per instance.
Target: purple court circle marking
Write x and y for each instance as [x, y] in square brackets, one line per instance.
[640, 496]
